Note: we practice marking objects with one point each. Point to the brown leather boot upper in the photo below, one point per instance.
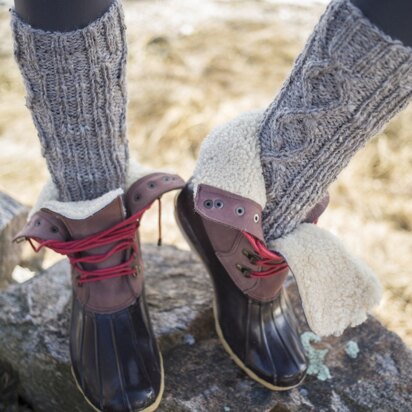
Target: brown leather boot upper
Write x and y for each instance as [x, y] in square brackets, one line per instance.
[109, 295]
[227, 217]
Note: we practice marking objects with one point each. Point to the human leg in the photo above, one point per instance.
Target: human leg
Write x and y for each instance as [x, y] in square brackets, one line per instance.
[260, 184]
[394, 18]
[91, 210]
[60, 15]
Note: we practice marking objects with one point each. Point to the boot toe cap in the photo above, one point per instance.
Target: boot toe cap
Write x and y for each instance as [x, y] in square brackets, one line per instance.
[115, 358]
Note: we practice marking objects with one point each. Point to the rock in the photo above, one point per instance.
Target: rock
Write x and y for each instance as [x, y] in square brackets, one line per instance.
[366, 369]
[12, 218]
[8, 388]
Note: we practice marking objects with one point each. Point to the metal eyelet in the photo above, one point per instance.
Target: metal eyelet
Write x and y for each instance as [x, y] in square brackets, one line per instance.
[251, 256]
[151, 185]
[208, 204]
[244, 270]
[54, 229]
[218, 204]
[240, 211]
[256, 218]
[138, 268]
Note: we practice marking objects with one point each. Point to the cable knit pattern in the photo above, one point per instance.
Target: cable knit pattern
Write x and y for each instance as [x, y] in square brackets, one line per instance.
[350, 79]
[75, 84]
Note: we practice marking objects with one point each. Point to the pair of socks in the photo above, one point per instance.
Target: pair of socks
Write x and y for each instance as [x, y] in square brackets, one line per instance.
[350, 79]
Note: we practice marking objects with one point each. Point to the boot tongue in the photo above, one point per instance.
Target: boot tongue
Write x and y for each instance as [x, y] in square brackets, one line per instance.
[104, 219]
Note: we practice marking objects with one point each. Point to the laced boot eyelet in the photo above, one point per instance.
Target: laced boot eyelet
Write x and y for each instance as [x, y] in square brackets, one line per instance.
[137, 269]
[244, 270]
[240, 211]
[250, 255]
[218, 204]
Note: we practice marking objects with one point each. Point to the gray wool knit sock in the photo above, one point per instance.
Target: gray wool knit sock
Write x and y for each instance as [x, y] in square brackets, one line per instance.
[350, 79]
[76, 93]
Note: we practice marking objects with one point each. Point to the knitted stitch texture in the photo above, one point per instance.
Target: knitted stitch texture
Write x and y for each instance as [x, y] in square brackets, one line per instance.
[350, 79]
[75, 83]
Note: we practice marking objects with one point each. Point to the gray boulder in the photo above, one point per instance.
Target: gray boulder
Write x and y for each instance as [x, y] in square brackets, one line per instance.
[366, 369]
[12, 218]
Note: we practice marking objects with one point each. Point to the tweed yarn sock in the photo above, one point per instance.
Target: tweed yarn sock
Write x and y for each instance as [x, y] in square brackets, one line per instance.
[350, 79]
[75, 83]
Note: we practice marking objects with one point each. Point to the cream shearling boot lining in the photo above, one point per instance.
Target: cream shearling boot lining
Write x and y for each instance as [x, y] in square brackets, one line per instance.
[84, 209]
[336, 288]
[229, 159]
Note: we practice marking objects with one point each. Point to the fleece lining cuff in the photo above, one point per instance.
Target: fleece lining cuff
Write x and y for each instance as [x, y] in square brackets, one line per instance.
[48, 198]
[336, 288]
[229, 159]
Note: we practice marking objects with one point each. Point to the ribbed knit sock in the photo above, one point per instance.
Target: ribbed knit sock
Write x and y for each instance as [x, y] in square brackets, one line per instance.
[76, 93]
[350, 79]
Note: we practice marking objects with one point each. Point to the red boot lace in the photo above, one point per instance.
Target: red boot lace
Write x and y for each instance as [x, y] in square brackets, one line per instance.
[123, 234]
[270, 262]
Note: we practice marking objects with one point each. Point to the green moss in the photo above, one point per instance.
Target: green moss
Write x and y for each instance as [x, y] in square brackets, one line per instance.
[352, 349]
[315, 356]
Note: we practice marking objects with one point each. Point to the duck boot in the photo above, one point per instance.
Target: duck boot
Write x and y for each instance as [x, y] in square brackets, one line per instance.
[253, 315]
[220, 213]
[115, 358]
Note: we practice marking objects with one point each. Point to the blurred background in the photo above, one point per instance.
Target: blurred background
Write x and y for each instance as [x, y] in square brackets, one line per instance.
[196, 64]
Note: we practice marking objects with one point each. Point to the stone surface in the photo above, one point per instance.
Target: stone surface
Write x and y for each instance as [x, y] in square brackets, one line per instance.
[8, 388]
[12, 218]
[34, 320]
